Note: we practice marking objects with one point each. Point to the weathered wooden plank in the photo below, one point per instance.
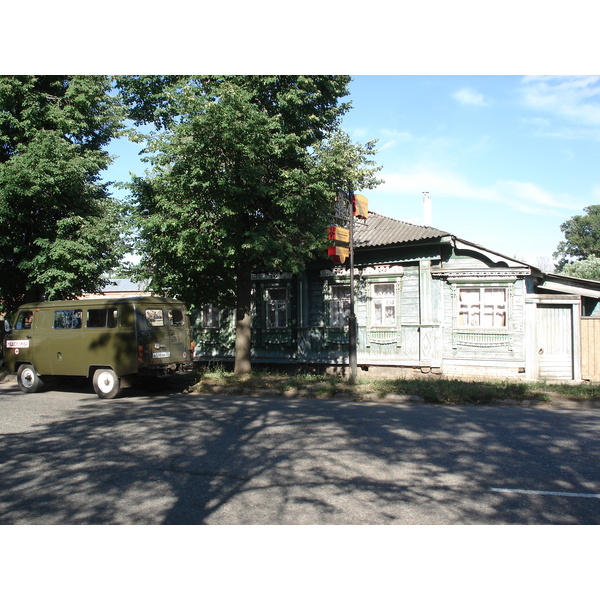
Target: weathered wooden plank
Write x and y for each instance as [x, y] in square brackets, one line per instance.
[590, 349]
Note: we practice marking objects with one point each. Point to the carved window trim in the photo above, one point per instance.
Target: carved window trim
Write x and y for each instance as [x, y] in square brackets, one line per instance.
[276, 308]
[338, 306]
[480, 337]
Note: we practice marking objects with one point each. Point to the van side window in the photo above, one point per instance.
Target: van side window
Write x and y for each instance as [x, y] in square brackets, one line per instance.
[67, 319]
[154, 317]
[176, 317]
[101, 317]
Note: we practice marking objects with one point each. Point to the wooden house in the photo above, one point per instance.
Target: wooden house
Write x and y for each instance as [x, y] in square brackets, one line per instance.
[119, 288]
[427, 302]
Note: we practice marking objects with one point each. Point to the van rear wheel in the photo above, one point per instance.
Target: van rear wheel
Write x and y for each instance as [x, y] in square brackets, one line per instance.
[28, 380]
[106, 383]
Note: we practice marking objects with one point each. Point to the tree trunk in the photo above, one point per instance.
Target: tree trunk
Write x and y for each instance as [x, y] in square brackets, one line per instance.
[243, 321]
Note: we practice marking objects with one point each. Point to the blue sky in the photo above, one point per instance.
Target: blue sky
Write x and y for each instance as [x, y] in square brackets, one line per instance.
[506, 160]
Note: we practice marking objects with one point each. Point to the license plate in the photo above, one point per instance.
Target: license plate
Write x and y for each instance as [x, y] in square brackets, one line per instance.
[161, 354]
[17, 343]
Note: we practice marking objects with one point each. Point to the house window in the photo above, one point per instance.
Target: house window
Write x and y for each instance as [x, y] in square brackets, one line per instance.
[277, 308]
[383, 305]
[211, 318]
[339, 305]
[590, 307]
[484, 308]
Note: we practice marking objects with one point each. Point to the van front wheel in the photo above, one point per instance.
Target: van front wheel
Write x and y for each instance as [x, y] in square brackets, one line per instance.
[106, 383]
[28, 380]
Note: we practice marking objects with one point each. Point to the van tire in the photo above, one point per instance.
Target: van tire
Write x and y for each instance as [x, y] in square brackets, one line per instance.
[106, 383]
[28, 380]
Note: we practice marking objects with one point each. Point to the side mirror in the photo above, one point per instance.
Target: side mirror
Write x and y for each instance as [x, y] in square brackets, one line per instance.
[7, 327]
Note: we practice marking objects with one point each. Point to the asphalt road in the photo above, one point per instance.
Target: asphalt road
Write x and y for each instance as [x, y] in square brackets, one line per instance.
[67, 457]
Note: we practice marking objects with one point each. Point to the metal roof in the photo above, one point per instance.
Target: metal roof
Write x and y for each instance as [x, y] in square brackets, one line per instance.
[124, 285]
[378, 230]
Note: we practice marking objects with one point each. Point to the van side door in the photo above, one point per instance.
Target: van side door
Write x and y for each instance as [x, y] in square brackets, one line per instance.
[154, 334]
[64, 343]
[179, 335]
[109, 338]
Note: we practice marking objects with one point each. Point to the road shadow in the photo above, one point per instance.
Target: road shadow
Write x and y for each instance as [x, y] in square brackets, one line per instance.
[199, 459]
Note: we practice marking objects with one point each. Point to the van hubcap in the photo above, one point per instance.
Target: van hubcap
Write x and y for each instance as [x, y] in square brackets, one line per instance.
[106, 382]
[27, 378]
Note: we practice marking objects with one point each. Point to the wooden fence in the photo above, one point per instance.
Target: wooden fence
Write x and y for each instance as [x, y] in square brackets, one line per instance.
[590, 349]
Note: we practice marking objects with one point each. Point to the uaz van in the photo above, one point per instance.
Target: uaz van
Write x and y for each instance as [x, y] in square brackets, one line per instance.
[107, 340]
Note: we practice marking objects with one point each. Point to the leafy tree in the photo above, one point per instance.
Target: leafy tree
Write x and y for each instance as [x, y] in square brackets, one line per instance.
[582, 237]
[59, 229]
[588, 268]
[245, 170]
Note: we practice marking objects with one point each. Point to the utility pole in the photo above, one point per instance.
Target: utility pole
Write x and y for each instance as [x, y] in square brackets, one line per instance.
[352, 328]
[348, 207]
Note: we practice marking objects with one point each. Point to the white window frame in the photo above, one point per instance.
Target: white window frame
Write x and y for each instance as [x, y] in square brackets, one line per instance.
[280, 308]
[477, 309]
[339, 306]
[380, 304]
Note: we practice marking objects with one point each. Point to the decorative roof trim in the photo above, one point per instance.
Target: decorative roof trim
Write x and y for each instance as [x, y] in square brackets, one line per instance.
[273, 275]
[480, 274]
[569, 289]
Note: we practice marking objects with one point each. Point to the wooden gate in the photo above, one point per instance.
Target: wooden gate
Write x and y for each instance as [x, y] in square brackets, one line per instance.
[590, 349]
[555, 342]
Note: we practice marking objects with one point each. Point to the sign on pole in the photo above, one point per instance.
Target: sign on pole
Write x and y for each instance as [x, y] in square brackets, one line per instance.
[339, 234]
[338, 254]
[348, 207]
[360, 207]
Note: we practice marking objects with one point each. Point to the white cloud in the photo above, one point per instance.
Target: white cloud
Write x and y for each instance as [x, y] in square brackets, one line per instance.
[573, 98]
[528, 196]
[522, 196]
[392, 138]
[388, 145]
[400, 136]
[433, 181]
[537, 121]
[470, 97]
[359, 133]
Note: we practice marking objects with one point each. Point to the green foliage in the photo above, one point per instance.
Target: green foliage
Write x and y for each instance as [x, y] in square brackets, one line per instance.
[582, 237]
[588, 268]
[60, 230]
[453, 391]
[431, 390]
[244, 173]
